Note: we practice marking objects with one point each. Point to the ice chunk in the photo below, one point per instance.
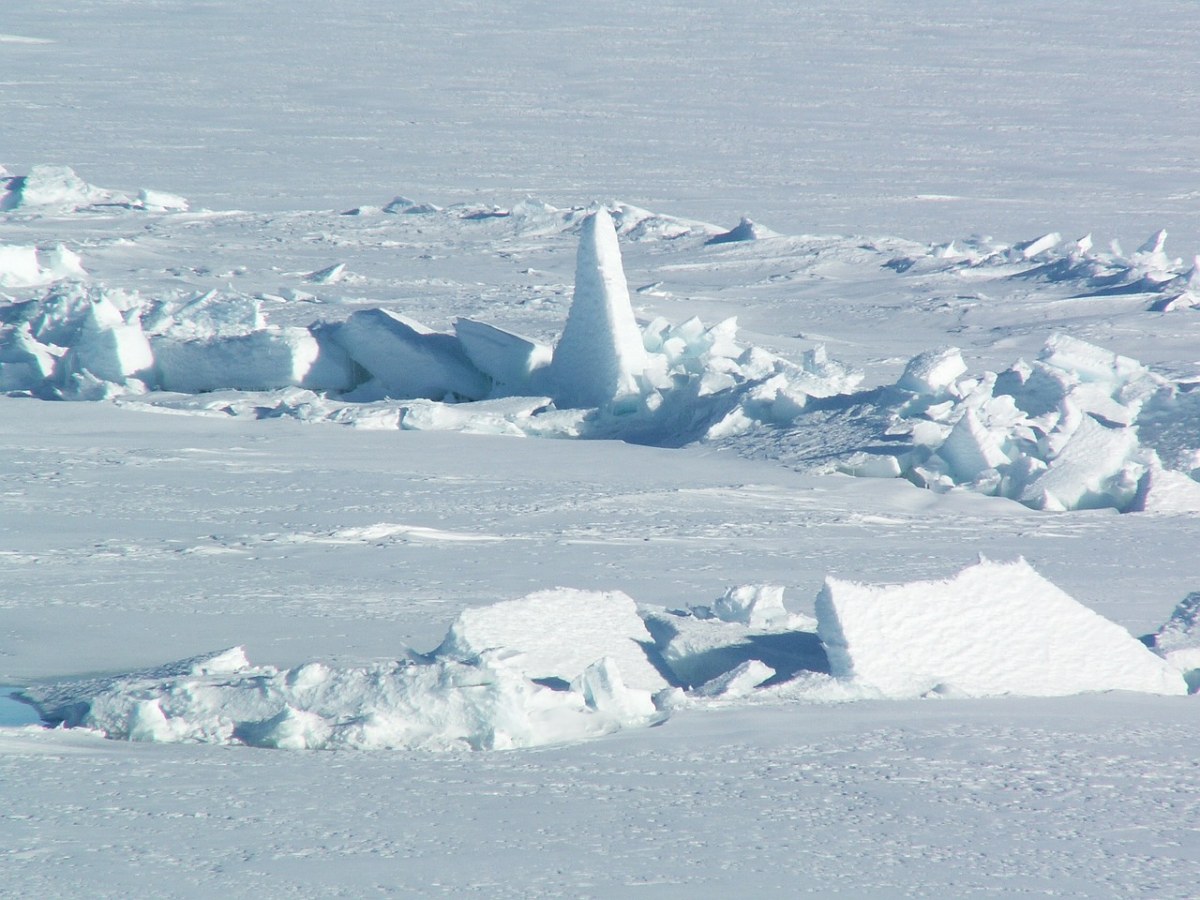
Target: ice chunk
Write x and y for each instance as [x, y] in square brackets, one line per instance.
[509, 359]
[19, 266]
[1178, 641]
[971, 449]
[932, 372]
[558, 634]
[759, 605]
[161, 201]
[745, 230]
[209, 315]
[25, 364]
[1167, 491]
[1094, 469]
[53, 189]
[600, 354]
[1089, 363]
[603, 689]
[697, 648]
[739, 681]
[408, 360]
[110, 348]
[414, 703]
[995, 628]
[261, 361]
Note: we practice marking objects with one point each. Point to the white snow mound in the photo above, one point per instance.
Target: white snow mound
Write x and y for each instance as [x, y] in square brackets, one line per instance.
[995, 628]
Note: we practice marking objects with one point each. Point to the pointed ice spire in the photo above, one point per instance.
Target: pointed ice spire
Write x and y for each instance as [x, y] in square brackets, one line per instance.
[600, 353]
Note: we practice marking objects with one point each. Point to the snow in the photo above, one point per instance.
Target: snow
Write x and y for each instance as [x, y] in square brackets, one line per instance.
[177, 242]
[994, 628]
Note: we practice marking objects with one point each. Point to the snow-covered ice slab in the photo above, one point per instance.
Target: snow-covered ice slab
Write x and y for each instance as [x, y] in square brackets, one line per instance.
[558, 634]
[995, 628]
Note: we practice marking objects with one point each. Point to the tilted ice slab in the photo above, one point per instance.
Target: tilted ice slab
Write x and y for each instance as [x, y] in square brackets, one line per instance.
[557, 634]
[995, 628]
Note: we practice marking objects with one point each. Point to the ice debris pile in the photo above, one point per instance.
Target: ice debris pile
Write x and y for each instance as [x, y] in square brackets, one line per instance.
[1059, 433]
[566, 665]
[56, 190]
[606, 377]
[1078, 427]
[1167, 283]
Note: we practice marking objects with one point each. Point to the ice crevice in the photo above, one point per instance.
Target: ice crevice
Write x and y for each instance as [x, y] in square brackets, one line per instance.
[568, 665]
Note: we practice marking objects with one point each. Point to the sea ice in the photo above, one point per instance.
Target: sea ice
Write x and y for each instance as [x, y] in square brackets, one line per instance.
[408, 360]
[513, 361]
[994, 628]
[558, 634]
[600, 355]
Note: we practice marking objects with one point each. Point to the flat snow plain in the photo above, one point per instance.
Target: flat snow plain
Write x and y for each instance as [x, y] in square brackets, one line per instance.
[133, 538]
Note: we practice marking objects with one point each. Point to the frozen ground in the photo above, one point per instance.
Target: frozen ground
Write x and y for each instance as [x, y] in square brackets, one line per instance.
[338, 520]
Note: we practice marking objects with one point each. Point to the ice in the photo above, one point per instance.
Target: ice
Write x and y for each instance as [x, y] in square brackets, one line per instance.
[1178, 640]
[26, 266]
[259, 361]
[600, 355]
[208, 315]
[25, 364]
[514, 362]
[698, 647]
[407, 704]
[932, 372]
[110, 348]
[971, 449]
[408, 360]
[745, 230]
[161, 201]
[739, 681]
[52, 189]
[994, 628]
[1095, 468]
[757, 605]
[558, 634]
[19, 266]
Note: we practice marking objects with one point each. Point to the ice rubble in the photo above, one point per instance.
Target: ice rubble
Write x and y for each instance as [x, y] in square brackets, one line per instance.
[1062, 432]
[1178, 640]
[56, 190]
[565, 665]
